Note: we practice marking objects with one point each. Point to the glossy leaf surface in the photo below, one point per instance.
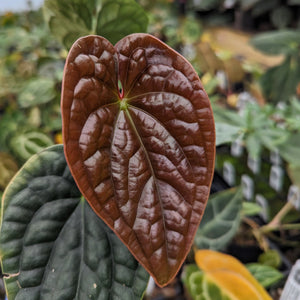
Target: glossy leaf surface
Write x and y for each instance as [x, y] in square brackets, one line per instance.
[53, 246]
[143, 156]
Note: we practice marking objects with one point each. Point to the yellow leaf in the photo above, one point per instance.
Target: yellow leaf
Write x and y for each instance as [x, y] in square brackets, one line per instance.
[234, 285]
[226, 271]
[232, 100]
[58, 138]
[206, 78]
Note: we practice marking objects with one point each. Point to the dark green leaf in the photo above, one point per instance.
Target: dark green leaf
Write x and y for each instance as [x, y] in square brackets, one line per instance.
[265, 275]
[220, 221]
[279, 83]
[53, 246]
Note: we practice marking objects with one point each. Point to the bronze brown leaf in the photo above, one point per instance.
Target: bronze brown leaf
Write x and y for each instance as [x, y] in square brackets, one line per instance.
[139, 139]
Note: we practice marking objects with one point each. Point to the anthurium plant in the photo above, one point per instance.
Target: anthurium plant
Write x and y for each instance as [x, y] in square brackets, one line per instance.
[127, 189]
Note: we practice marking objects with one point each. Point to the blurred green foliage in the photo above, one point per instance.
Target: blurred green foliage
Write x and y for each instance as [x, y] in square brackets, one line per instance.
[112, 19]
[31, 65]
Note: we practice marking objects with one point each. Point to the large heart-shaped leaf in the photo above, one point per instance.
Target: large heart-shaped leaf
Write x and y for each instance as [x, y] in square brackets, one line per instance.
[53, 246]
[140, 142]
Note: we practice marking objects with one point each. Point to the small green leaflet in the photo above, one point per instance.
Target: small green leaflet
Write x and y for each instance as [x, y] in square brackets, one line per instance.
[265, 275]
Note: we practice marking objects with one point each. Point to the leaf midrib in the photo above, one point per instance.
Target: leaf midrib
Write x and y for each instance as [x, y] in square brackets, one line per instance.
[154, 179]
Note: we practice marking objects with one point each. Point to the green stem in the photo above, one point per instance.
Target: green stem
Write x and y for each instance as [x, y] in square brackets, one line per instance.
[281, 214]
[268, 228]
[276, 222]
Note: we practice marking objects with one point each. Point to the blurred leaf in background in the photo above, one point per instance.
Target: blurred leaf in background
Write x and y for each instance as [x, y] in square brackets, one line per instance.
[221, 276]
[25, 144]
[8, 168]
[279, 83]
[199, 286]
[255, 125]
[265, 275]
[36, 91]
[112, 19]
[221, 220]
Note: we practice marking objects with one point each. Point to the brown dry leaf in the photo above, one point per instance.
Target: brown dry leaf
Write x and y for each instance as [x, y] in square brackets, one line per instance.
[208, 60]
[256, 92]
[234, 70]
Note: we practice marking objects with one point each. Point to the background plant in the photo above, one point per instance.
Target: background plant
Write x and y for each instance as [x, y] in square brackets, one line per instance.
[31, 56]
